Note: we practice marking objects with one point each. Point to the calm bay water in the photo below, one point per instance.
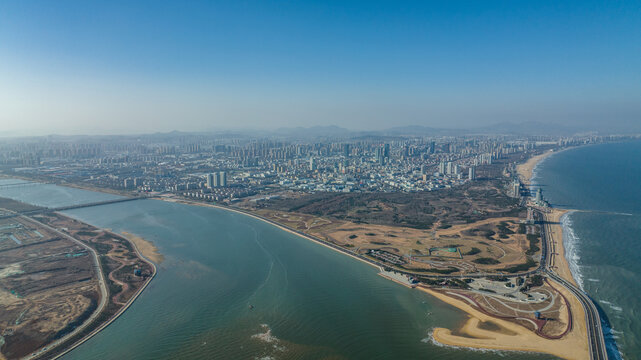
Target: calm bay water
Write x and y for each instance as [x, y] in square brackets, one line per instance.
[309, 302]
[604, 237]
[49, 195]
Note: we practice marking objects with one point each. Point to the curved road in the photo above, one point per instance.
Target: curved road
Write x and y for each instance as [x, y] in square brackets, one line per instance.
[101, 281]
[596, 340]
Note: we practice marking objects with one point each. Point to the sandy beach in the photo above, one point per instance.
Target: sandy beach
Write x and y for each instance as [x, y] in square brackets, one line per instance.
[512, 336]
[557, 252]
[526, 169]
[553, 217]
[146, 247]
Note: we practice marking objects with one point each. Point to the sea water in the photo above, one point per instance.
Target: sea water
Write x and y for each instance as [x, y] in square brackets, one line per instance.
[234, 287]
[603, 237]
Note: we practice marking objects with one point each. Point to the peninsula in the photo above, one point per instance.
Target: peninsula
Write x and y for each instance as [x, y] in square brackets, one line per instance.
[62, 280]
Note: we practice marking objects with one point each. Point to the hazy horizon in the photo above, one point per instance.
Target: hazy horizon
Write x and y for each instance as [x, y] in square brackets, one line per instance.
[122, 68]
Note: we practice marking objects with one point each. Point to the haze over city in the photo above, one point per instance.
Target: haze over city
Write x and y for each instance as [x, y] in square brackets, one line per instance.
[291, 180]
[119, 67]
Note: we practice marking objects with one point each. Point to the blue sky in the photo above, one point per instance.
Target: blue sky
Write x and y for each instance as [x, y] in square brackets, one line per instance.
[124, 66]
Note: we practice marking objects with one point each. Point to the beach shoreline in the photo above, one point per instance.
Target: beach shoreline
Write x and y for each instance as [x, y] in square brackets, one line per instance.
[121, 310]
[145, 247]
[477, 338]
[273, 223]
[526, 170]
[571, 346]
[511, 336]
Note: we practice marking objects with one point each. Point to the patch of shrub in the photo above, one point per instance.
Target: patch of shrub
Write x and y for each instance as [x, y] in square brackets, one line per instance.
[486, 261]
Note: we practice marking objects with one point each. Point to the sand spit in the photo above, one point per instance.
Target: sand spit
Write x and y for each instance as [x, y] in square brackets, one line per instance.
[146, 247]
[511, 336]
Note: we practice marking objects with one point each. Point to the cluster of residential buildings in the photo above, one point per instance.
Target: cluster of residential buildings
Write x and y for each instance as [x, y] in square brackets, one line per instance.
[224, 167]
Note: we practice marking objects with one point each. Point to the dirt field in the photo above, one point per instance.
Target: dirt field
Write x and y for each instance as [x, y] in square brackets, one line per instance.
[490, 245]
[49, 283]
[118, 262]
[47, 286]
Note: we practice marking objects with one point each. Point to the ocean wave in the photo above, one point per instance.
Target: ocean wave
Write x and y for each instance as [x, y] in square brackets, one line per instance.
[501, 353]
[265, 336]
[611, 336]
[535, 170]
[594, 280]
[571, 246]
[611, 305]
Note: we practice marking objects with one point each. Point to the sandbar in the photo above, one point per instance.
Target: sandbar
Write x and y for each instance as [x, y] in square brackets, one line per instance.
[511, 336]
[146, 247]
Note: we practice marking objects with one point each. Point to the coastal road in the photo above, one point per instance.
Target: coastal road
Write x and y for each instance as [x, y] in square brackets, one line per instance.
[596, 341]
[593, 321]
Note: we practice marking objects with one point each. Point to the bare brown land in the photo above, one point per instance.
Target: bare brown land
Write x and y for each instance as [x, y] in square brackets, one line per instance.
[513, 336]
[491, 245]
[48, 286]
[50, 294]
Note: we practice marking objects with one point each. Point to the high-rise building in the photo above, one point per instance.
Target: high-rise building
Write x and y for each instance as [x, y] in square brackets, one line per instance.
[216, 180]
[539, 195]
[449, 168]
[312, 164]
[210, 180]
[516, 188]
[346, 150]
[223, 178]
[441, 168]
[471, 173]
[431, 147]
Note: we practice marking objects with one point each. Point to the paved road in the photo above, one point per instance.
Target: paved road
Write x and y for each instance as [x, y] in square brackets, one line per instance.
[101, 281]
[548, 251]
[592, 319]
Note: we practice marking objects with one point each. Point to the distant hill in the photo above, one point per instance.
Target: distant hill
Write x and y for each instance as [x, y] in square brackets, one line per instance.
[526, 128]
[314, 131]
[423, 131]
